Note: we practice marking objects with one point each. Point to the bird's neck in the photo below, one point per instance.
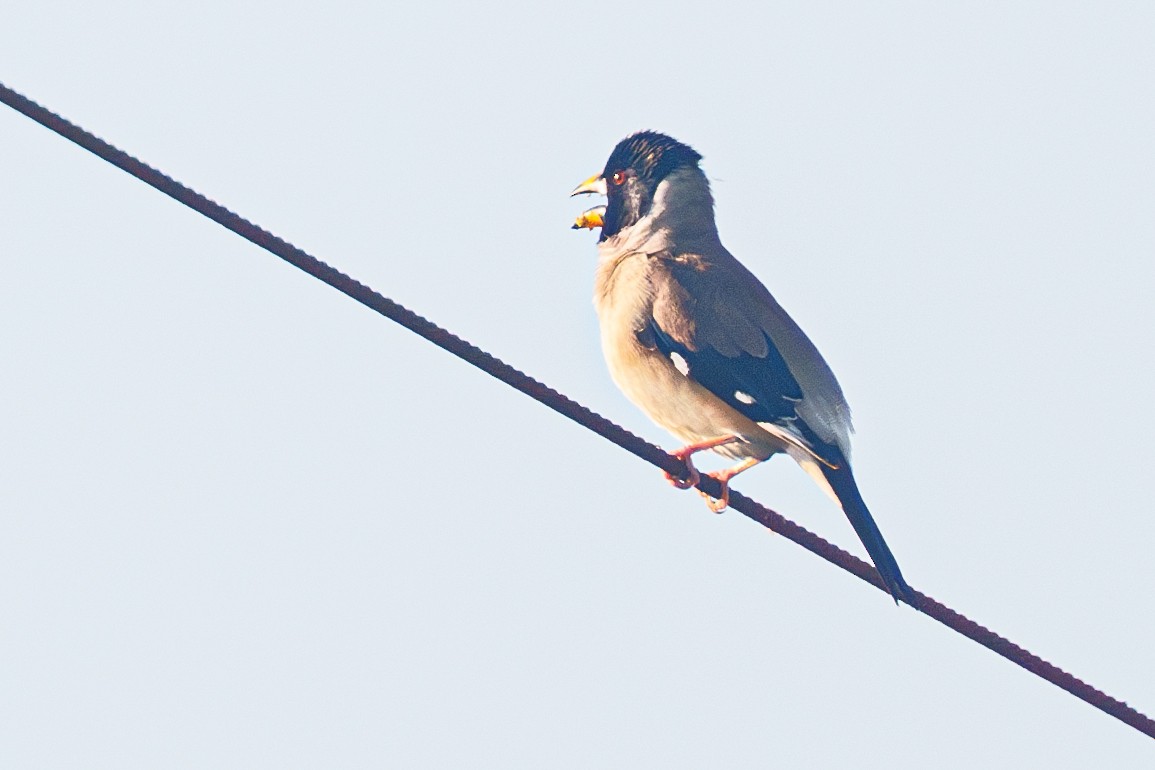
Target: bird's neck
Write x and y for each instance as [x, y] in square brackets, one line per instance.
[681, 219]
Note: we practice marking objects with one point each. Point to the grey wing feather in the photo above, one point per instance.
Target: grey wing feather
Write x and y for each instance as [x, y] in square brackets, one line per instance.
[715, 306]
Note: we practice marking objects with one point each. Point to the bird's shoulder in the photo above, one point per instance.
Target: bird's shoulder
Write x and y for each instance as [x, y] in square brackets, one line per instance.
[711, 301]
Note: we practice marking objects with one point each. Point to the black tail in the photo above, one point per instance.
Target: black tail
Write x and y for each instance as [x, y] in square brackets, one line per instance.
[841, 480]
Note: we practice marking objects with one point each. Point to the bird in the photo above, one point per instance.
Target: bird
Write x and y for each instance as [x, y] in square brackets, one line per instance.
[698, 343]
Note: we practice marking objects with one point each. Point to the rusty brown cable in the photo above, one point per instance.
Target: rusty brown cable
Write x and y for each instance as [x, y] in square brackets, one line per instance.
[566, 406]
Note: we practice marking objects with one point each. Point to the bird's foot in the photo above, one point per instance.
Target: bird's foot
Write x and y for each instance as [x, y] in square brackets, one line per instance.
[692, 475]
[718, 504]
[686, 453]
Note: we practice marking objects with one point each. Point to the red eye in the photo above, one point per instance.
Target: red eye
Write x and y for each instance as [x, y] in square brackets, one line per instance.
[618, 178]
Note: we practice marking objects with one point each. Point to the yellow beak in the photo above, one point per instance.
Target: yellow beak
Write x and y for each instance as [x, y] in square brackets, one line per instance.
[595, 184]
[589, 219]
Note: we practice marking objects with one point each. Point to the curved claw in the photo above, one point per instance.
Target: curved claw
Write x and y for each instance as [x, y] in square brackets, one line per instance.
[686, 455]
[691, 480]
[718, 504]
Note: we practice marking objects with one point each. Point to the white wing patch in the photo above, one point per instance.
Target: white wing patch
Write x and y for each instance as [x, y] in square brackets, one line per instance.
[745, 398]
[680, 363]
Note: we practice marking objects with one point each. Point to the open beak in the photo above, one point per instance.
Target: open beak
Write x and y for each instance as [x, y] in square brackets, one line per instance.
[595, 184]
[589, 219]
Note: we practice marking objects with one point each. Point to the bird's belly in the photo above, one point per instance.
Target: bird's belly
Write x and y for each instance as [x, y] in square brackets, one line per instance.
[681, 405]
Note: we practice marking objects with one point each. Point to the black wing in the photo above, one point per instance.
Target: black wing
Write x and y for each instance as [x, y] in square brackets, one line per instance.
[761, 388]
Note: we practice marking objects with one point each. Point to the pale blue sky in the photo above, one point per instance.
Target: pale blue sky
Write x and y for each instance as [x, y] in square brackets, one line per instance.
[246, 523]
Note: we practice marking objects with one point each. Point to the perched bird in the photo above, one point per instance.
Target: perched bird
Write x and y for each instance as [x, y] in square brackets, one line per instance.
[696, 341]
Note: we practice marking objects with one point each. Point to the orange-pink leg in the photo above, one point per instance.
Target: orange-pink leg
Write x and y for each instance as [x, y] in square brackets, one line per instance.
[685, 454]
[723, 478]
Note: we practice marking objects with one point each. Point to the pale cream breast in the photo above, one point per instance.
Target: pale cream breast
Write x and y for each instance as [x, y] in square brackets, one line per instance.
[652, 380]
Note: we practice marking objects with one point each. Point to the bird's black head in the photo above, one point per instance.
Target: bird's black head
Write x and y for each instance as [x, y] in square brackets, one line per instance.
[632, 174]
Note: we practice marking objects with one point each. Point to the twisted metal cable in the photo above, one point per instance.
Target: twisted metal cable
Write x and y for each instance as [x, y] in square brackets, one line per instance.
[567, 406]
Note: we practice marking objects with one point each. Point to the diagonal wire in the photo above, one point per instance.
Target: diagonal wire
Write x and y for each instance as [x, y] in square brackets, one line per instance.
[567, 406]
